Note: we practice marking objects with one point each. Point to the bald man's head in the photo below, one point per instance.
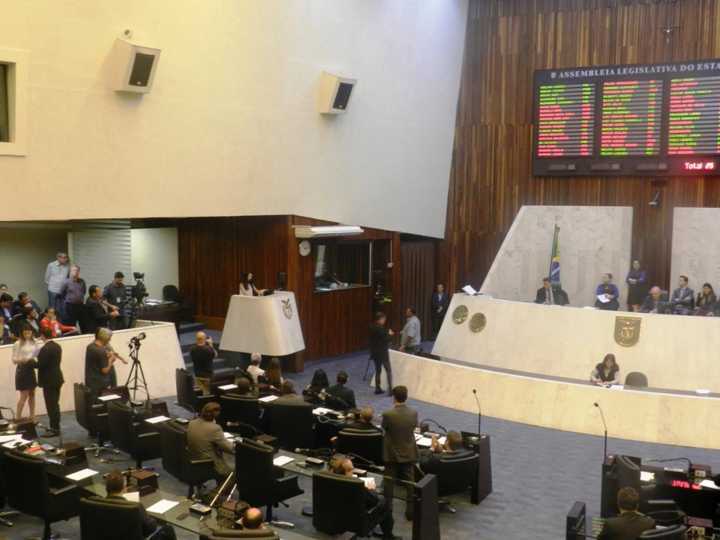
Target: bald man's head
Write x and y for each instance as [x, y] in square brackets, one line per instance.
[200, 338]
[253, 518]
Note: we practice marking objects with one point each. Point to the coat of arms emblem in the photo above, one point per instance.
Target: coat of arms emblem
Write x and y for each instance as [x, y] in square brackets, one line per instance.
[627, 330]
[287, 308]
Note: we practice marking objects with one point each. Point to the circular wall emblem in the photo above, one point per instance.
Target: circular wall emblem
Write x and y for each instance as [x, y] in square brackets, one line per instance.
[460, 314]
[478, 322]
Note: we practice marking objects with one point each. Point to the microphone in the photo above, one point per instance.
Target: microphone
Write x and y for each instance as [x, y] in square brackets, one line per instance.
[602, 417]
[424, 424]
[477, 400]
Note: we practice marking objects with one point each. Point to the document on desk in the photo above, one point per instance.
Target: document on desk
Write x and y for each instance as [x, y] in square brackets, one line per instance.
[157, 419]
[109, 397]
[162, 506]
[132, 496]
[709, 484]
[268, 399]
[81, 475]
[320, 411]
[10, 438]
[282, 460]
[227, 387]
[425, 442]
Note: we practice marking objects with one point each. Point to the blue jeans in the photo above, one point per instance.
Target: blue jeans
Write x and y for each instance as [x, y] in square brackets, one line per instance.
[55, 301]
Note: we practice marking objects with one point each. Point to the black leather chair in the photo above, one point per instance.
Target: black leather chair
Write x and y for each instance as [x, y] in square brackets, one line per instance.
[177, 461]
[293, 424]
[220, 534]
[636, 379]
[110, 519]
[92, 415]
[339, 505]
[456, 475]
[676, 532]
[132, 435]
[188, 397]
[238, 409]
[366, 444]
[259, 482]
[35, 493]
[3, 501]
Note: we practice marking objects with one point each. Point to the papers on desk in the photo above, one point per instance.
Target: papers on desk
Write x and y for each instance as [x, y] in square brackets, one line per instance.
[603, 298]
[709, 484]
[319, 411]
[81, 475]
[162, 506]
[157, 419]
[646, 476]
[282, 460]
[132, 496]
[426, 442]
[268, 399]
[702, 391]
[616, 387]
[227, 387]
[109, 397]
[468, 289]
[10, 438]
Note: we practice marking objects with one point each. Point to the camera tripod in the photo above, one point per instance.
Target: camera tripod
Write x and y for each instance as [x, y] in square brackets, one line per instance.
[136, 378]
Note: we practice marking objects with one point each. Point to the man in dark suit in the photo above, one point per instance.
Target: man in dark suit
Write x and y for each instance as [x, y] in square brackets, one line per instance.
[630, 524]
[452, 449]
[379, 343]
[440, 302]
[683, 298]
[115, 488]
[342, 398]
[23, 299]
[551, 294]
[363, 421]
[97, 312]
[50, 379]
[399, 449]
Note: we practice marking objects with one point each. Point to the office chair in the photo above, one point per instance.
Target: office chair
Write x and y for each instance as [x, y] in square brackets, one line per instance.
[177, 461]
[110, 519]
[94, 418]
[259, 482]
[676, 532]
[292, 424]
[238, 409]
[636, 379]
[137, 438]
[221, 534]
[33, 493]
[339, 505]
[187, 397]
[170, 293]
[3, 501]
[367, 444]
[455, 475]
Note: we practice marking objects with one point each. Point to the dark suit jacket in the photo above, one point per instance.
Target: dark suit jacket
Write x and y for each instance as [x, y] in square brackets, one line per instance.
[95, 316]
[345, 394]
[362, 426]
[148, 524]
[49, 373]
[439, 304]
[430, 461]
[627, 526]
[560, 297]
[399, 424]
[379, 342]
[18, 308]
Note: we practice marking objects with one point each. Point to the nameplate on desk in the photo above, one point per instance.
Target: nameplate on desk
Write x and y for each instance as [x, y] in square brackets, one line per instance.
[157, 419]
[81, 475]
[268, 399]
[109, 397]
[228, 387]
[282, 460]
[162, 506]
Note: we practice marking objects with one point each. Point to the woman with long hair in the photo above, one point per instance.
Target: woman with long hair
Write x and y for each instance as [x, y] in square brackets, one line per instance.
[706, 300]
[24, 356]
[606, 372]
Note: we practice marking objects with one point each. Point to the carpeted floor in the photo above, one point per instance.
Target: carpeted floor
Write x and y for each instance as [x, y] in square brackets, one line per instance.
[537, 473]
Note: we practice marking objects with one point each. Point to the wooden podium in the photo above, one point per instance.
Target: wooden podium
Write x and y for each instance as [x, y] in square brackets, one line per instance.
[269, 325]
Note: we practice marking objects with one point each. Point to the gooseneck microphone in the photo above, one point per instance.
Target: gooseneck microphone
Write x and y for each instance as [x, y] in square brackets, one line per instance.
[602, 416]
[477, 400]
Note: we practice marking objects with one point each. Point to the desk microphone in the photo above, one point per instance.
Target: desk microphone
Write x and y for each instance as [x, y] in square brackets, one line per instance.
[602, 416]
[477, 400]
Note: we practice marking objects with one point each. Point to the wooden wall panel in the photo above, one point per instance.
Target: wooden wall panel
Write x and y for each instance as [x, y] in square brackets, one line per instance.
[491, 175]
[418, 278]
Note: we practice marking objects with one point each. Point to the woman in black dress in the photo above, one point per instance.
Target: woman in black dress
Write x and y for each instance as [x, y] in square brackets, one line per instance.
[606, 372]
[24, 356]
[637, 286]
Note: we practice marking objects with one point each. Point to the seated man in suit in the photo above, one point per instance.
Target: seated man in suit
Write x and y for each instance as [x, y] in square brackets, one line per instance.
[206, 440]
[630, 523]
[115, 487]
[453, 448]
[363, 421]
[344, 467]
[683, 298]
[244, 388]
[252, 520]
[654, 302]
[551, 294]
[342, 398]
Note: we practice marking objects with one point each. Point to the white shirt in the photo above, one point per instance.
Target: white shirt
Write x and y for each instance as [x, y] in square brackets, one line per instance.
[255, 372]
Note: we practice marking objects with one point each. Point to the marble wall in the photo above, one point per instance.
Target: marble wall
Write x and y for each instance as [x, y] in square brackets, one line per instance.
[696, 247]
[675, 352]
[593, 240]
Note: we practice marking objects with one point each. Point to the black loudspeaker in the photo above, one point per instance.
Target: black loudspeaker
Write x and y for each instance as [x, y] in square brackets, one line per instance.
[281, 281]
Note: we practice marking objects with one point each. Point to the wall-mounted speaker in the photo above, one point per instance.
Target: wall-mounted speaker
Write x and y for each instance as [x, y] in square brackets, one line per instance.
[135, 67]
[335, 92]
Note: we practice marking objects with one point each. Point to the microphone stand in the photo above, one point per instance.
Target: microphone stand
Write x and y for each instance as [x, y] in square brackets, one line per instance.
[602, 416]
[477, 400]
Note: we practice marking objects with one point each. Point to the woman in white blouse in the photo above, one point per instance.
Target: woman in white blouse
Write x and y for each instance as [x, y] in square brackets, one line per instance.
[247, 285]
[24, 356]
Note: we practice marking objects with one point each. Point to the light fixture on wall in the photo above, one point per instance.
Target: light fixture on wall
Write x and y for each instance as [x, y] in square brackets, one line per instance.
[324, 231]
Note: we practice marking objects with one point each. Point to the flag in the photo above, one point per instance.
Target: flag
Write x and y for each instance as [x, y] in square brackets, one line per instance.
[554, 274]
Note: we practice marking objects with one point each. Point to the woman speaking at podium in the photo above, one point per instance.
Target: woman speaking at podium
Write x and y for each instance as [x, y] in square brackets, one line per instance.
[247, 285]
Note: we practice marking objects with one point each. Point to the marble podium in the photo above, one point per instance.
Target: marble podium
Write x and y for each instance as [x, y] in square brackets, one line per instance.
[269, 325]
[675, 352]
[160, 355]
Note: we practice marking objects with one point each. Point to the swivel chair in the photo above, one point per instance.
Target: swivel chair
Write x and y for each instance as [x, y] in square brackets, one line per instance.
[367, 444]
[137, 438]
[110, 519]
[177, 461]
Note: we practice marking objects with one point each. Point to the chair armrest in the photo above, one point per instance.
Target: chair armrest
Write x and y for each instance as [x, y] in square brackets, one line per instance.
[200, 462]
[148, 435]
[64, 489]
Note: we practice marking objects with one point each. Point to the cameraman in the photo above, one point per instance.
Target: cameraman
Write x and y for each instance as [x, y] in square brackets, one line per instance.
[116, 294]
